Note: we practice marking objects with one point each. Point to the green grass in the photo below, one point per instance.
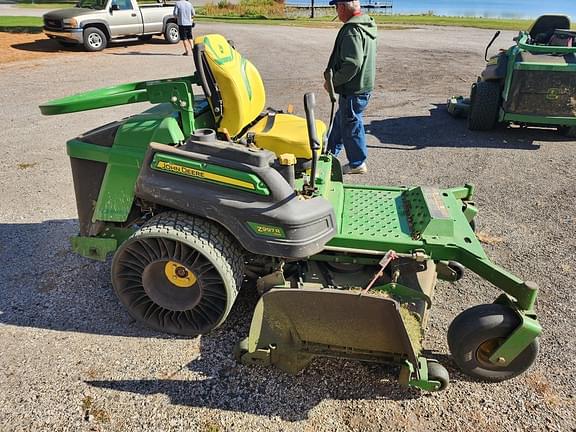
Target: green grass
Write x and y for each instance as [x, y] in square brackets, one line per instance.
[20, 24]
[484, 23]
[394, 20]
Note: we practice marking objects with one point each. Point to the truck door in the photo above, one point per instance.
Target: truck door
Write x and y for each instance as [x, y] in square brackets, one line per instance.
[125, 18]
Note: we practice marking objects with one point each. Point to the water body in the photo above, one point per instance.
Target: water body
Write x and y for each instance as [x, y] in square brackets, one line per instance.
[487, 8]
[477, 8]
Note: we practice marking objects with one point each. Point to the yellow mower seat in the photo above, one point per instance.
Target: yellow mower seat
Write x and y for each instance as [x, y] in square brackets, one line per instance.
[286, 133]
[238, 99]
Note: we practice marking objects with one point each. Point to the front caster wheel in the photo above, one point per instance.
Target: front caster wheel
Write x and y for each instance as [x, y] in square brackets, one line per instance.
[477, 332]
[437, 372]
[178, 274]
[458, 270]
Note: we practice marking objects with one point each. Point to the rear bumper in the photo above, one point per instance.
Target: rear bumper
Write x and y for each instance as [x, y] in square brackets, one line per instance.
[73, 35]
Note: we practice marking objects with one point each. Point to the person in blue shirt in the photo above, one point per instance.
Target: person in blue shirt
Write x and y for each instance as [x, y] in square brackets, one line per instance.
[184, 13]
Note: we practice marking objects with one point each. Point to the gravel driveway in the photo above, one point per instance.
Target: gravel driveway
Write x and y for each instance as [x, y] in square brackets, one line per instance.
[72, 359]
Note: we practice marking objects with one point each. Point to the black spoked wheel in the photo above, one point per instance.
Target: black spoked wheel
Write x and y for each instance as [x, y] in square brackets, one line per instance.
[477, 332]
[178, 274]
[484, 105]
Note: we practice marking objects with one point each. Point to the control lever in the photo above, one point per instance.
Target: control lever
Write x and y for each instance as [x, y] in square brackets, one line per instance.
[490, 44]
[309, 104]
[328, 76]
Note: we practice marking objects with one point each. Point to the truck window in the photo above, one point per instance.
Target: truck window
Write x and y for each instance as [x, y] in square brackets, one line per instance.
[123, 4]
[92, 4]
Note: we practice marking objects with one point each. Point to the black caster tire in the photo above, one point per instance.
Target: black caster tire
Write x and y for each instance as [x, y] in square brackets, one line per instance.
[458, 269]
[477, 332]
[437, 372]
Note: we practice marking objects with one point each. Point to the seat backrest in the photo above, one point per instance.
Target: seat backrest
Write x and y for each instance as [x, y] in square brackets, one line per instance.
[544, 27]
[237, 82]
[564, 38]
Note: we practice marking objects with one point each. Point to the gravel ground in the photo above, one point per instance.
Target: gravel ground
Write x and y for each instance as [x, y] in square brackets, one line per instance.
[72, 359]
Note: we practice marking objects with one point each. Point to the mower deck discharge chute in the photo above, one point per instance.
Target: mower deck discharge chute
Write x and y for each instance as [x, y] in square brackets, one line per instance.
[531, 83]
[200, 193]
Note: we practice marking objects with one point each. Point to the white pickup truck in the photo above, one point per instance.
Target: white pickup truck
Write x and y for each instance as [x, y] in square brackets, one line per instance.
[95, 23]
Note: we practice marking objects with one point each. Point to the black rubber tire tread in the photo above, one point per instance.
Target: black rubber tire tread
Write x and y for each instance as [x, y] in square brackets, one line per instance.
[102, 35]
[485, 105]
[212, 241]
[167, 33]
[458, 268]
[437, 372]
[481, 323]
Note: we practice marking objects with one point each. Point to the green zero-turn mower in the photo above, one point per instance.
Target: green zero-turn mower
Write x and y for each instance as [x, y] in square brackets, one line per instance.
[531, 83]
[199, 194]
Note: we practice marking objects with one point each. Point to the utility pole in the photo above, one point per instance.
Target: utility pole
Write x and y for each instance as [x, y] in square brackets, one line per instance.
[311, 8]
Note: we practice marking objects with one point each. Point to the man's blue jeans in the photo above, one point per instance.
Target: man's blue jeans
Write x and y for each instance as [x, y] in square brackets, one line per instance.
[348, 129]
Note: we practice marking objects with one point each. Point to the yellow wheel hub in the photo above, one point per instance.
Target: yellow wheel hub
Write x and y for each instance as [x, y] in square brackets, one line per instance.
[179, 275]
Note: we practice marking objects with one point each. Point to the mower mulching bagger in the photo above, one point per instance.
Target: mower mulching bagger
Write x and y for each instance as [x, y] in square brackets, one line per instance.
[531, 83]
[199, 193]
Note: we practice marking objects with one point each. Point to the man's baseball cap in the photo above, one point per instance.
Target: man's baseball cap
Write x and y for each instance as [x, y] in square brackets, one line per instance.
[333, 2]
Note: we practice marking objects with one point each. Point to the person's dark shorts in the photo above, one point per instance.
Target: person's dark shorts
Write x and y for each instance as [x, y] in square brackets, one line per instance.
[185, 32]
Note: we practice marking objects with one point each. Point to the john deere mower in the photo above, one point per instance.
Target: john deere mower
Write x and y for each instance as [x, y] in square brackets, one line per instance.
[202, 193]
[531, 83]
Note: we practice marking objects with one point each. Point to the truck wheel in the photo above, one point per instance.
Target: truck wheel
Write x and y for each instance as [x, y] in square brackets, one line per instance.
[171, 33]
[178, 274]
[477, 332]
[94, 39]
[484, 106]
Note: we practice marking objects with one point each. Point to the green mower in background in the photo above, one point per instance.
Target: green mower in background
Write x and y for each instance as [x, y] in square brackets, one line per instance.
[533, 83]
[201, 194]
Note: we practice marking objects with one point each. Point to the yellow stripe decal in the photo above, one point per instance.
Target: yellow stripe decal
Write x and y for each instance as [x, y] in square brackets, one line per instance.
[200, 174]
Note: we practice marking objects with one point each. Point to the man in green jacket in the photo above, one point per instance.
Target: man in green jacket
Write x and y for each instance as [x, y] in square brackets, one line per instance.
[353, 65]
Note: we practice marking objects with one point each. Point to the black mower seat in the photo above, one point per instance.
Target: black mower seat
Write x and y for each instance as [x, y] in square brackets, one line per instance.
[544, 27]
[235, 91]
